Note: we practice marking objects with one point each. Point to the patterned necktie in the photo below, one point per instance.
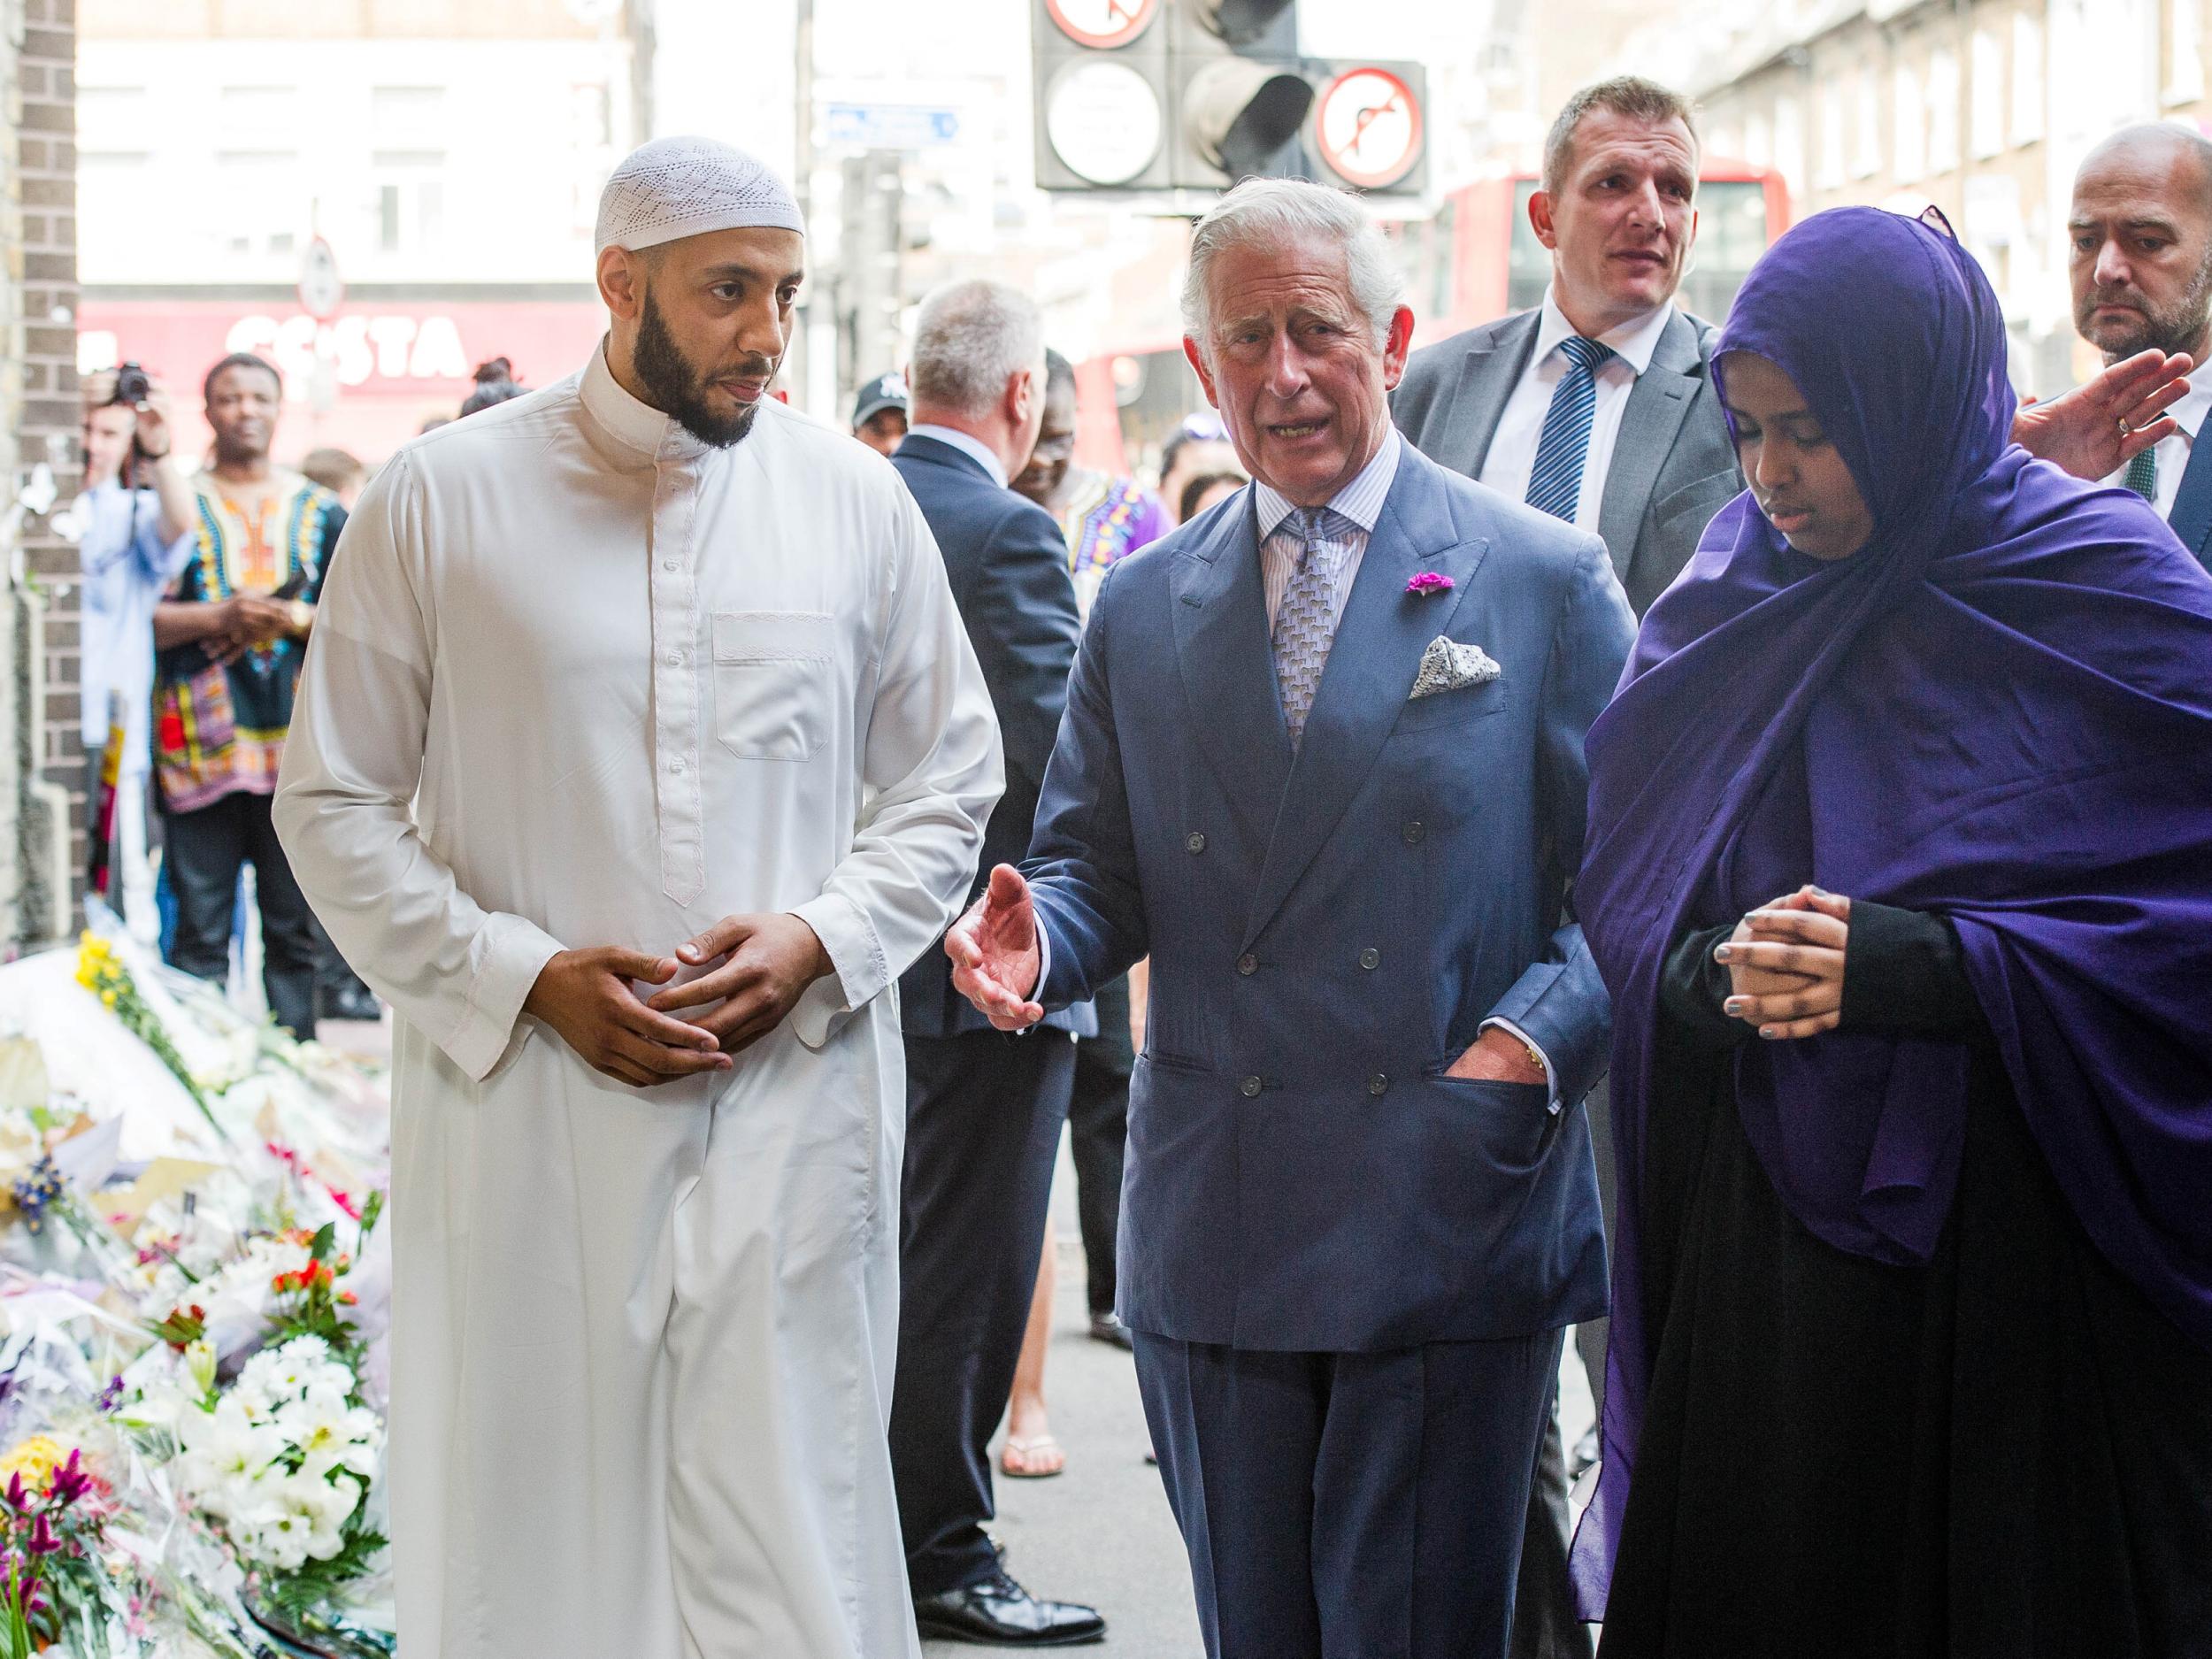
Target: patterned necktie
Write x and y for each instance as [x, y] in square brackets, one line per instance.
[1555, 483]
[1305, 621]
[2142, 476]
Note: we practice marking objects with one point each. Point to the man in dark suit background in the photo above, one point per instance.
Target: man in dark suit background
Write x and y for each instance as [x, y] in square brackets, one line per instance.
[984, 1109]
[1598, 407]
[1638, 450]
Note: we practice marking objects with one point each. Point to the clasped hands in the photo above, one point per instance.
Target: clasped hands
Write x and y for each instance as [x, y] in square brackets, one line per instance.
[996, 959]
[758, 968]
[1786, 965]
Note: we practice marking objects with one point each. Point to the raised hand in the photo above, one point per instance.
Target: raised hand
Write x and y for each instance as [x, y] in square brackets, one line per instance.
[1786, 965]
[585, 996]
[994, 953]
[761, 965]
[2108, 419]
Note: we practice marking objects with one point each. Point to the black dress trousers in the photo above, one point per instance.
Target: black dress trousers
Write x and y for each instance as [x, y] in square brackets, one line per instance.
[983, 1112]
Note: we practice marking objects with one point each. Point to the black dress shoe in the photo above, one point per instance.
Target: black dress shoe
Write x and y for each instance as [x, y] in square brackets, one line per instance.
[1107, 1328]
[352, 1002]
[999, 1613]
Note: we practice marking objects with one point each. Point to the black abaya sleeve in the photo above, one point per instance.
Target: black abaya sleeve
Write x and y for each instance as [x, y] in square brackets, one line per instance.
[1904, 973]
[1691, 989]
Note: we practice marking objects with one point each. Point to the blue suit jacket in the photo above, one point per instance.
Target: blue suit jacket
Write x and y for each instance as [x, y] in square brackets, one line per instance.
[1328, 932]
[1008, 564]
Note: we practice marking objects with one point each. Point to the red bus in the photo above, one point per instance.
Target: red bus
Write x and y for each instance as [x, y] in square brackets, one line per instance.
[1478, 257]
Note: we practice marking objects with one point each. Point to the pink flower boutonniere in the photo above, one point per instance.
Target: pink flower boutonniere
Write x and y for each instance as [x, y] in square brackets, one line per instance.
[1430, 582]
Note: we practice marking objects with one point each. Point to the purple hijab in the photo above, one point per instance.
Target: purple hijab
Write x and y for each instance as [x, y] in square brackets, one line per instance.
[1999, 711]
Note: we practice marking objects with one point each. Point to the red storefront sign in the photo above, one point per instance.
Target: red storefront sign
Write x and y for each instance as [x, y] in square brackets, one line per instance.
[364, 380]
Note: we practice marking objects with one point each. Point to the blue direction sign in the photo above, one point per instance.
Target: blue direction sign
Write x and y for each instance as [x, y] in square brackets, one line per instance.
[891, 125]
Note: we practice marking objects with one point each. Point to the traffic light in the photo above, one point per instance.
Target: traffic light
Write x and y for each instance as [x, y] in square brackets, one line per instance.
[1181, 98]
[1241, 95]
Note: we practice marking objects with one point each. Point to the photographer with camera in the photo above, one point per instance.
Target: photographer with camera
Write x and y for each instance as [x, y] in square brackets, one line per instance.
[231, 642]
[134, 517]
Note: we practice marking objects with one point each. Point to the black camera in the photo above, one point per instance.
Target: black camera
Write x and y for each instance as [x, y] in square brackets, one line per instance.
[131, 385]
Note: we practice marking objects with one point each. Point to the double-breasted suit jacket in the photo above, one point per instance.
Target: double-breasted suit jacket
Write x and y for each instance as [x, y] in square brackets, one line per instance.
[1329, 929]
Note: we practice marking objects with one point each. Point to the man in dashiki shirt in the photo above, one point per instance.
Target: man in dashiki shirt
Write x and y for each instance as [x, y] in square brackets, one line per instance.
[231, 638]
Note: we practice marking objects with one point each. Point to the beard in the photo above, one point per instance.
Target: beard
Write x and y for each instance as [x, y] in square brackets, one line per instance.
[2172, 329]
[678, 391]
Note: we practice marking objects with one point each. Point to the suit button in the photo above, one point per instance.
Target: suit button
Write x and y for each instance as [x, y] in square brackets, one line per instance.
[1377, 1083]
[1195, 842]
[1247, 965]
[1413, 832]
[1371, 957]
[1250, 1088]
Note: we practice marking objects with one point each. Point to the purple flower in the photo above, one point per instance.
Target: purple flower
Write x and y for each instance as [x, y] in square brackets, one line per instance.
[15, 1495]
[1430, 582]
[42, 1541]
[71, 1479]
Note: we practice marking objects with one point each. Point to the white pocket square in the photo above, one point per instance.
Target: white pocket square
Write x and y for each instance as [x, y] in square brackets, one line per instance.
[1447, 666]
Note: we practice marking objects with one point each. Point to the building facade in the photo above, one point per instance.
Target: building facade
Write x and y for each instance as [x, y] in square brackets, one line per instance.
[449, 157]
[1981, 108]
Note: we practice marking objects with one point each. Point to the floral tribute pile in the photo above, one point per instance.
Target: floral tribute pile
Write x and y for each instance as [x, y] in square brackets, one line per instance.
[193, 1293]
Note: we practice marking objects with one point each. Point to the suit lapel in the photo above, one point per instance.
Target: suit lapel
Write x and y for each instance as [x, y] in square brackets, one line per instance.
[1656, 404]
[1487, 375]
[1372, 662]
[1228, 664]
[2191, 516]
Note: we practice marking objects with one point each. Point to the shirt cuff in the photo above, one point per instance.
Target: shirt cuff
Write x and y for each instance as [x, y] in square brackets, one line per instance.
[511, 953]
[859, 969]
[1551, 1072]
[1044, 963]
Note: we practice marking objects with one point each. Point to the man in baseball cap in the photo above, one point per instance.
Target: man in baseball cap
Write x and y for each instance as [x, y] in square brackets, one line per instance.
[880, 413]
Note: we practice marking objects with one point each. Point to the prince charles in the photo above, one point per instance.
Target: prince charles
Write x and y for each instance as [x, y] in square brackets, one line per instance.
[1322, 762]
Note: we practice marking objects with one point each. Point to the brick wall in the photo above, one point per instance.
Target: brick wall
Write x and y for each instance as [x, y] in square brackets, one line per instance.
[45, 419]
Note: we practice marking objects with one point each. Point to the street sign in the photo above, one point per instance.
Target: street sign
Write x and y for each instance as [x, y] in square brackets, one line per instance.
[1103, 24]
[321, 292]
[1368, 123]
[1103, 120]
[891, 126]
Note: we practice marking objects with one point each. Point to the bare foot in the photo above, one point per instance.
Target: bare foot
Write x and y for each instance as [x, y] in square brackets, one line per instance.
[1031, 1456]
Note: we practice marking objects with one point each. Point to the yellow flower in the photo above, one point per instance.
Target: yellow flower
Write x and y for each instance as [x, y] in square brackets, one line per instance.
[107, 998]
[35, 1459]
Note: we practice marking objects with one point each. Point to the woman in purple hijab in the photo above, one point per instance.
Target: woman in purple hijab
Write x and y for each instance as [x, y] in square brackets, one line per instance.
[1900, 873]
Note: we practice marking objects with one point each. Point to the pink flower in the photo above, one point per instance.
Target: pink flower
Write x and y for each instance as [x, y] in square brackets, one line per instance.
[1430, 582]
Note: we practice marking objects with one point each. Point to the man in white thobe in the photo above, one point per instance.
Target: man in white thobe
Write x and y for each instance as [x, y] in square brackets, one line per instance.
[640, 749]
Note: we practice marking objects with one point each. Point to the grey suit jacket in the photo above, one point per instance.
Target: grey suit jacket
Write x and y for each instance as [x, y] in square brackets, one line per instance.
[1673, 466]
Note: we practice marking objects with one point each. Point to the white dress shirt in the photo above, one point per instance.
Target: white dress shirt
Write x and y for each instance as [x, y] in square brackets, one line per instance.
[1512, 456]
[2173, 452]
[1361, 500]
[581, 679]
[968, 444]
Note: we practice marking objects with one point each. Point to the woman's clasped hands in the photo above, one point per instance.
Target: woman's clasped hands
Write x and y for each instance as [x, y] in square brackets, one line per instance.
[1786, 965]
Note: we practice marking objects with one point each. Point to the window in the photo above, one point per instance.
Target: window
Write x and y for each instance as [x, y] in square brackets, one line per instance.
[1789, 141]
[1866, 154]
[1943, 110]
[1987, 90]
[1831, 173]
[1758, 140]
[410, 198]
[1908, 109]
[2027, 78]
[2185, 51]
[405, 112]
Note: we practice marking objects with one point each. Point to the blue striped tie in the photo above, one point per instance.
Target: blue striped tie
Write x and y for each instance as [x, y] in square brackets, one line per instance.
[1554, 484]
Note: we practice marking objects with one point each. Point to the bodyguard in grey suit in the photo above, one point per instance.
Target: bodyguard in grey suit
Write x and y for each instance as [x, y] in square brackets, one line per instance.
[1323, 761]
[1599, 408]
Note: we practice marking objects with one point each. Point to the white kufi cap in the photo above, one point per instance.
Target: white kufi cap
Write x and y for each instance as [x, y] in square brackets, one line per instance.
[686, 187]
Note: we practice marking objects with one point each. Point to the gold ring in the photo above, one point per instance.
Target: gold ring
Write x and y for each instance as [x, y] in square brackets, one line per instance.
[2125, 429]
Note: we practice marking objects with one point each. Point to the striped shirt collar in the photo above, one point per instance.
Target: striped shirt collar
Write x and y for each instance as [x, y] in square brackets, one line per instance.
[1361, 500]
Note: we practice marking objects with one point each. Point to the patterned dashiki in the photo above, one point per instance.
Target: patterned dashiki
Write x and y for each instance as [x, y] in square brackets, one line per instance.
[218, 730]
[1106, 518]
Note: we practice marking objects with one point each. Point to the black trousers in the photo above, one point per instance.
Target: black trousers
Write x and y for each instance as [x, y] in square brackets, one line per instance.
[207, 848]
[983, 1112]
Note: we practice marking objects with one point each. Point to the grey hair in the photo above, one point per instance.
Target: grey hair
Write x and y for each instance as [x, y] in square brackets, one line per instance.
[969, 339]
[1274, 211]
[1630, 96]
